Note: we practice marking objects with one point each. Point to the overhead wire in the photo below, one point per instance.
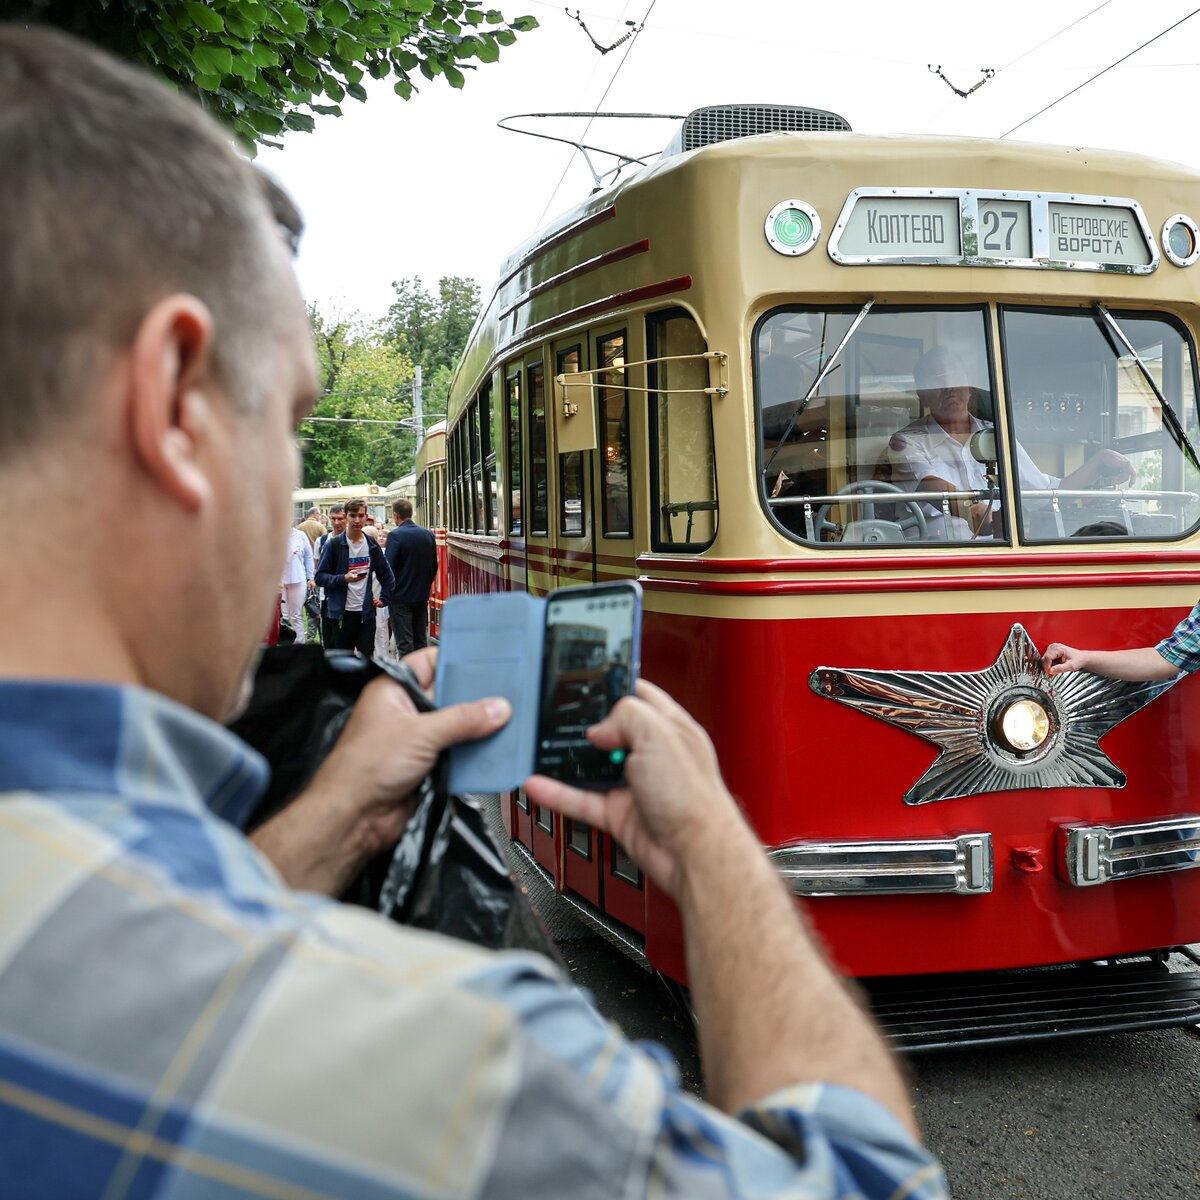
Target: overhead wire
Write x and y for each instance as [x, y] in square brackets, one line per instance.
[599, 104]
[1025, 54]
[1105, 71]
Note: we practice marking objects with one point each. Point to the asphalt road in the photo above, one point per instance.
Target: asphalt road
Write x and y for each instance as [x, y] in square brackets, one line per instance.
[1114, 1117]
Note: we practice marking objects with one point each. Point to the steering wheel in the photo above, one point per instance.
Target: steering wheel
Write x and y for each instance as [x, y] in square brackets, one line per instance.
[914, 520]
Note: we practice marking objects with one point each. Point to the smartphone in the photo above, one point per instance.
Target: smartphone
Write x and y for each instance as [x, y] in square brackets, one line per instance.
[590, 658]
[562, 662]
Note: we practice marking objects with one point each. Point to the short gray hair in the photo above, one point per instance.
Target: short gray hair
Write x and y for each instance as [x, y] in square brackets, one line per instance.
[116, 192]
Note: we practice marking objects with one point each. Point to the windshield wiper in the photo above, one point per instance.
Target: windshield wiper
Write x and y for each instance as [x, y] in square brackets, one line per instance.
[831, 362]
[1169, 415]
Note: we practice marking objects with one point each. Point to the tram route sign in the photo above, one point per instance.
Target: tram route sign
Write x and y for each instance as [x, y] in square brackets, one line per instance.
[968, 227]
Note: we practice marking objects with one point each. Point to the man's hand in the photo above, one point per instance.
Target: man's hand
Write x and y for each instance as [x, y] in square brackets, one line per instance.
[675, 794]
[359, 802]
[1060, 659]
[378, 603]
[770, 1012]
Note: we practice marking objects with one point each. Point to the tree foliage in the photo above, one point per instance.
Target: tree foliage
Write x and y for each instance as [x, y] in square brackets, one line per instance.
[363, 376]
[267, 66]
[433, 331]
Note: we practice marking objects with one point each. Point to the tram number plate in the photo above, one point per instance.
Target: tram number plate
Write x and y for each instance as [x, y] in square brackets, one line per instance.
[1005, 229]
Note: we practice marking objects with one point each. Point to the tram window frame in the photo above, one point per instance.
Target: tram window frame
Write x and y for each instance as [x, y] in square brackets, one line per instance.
[513, 459]
[489, 419]
[539, 468]
[655, 323]
[565, 460]
[1190, 421]
[579, 837]
[1000, 537]
[615, 865]
[611, 524]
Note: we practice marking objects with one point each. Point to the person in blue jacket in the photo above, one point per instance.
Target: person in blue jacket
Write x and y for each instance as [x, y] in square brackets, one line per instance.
[412, 555]
[348, 566]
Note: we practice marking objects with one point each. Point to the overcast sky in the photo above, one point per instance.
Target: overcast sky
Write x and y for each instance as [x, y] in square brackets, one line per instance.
[432, 187]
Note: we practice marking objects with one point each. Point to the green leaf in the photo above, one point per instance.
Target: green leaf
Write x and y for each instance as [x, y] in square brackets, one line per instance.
[353, 74]
[405, 60]
[403, 89]
[209, 83]
[505, 37]
[333, 89]
[525, 24]
[291, 17]
[474, 16]
[357, 91]
[263, 121]
[212, 60]
[379, 68]
[336, 12]
[488, 51]
[299, 120]
[328, 110]
[204, 17]
[454, 77]
[264, 56]
[494, 17]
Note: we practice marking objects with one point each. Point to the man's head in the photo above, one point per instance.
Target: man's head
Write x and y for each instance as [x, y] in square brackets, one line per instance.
[356, 518]
[402, 510]
[154, 336]
[944, 384]
[314, 514]
[337, 518]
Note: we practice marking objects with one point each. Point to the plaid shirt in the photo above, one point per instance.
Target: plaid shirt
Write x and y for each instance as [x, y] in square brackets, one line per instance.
[1181, 648]
[176, 1023]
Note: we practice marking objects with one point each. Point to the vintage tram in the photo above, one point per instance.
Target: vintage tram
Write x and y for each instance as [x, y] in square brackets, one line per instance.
[720, 376]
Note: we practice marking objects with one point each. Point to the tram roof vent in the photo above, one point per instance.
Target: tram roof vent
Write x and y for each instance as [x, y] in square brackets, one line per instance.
[722, 122]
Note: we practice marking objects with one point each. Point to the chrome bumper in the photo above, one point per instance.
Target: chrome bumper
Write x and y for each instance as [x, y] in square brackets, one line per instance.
[1098, 854]
[959, 866]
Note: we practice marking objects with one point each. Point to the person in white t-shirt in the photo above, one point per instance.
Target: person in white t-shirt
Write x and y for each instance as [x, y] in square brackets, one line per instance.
[933, 453]
[297, 580]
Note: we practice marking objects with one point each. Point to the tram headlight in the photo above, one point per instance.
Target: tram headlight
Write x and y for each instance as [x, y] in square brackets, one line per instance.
[1023, 725]
[792, 227]
[1181, 240]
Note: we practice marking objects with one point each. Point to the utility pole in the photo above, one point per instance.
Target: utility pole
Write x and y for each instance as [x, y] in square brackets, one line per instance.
[418, 405]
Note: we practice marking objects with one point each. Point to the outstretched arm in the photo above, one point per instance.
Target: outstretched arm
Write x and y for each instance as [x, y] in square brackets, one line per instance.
[1143, 663]
[770, 1010]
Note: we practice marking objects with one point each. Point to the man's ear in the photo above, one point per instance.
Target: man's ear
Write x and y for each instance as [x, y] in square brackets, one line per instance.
[170, 390]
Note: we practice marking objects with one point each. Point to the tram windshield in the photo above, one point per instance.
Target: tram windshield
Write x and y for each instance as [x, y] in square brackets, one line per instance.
[880, 425]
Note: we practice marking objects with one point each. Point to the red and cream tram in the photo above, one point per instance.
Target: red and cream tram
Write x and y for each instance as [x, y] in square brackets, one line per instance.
[724, 376]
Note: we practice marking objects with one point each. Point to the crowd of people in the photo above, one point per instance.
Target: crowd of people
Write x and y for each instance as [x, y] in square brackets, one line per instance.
[357, 585]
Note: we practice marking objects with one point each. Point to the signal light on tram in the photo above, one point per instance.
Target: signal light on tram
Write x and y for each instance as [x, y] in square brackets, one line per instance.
[1181, 240]
[792, 227]
[1020, 722]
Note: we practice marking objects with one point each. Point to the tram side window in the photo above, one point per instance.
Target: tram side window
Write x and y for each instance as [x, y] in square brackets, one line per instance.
[879, 451]
[513, 430]
[460, 476]
[570, 466]
[489, 418]
[684, 480]
[539, 517]
[1084, 398]
[614, 424]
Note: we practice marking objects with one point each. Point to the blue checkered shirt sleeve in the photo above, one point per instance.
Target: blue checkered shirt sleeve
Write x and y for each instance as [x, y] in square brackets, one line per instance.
[1182, 647]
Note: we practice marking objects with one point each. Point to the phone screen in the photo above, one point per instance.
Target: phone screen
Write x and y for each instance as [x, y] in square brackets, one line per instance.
[589, 662]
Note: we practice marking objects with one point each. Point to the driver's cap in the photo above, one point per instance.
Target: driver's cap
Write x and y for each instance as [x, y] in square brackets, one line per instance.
[940, 368]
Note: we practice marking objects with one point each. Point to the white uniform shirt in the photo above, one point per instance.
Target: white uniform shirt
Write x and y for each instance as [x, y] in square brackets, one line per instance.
[923, 448]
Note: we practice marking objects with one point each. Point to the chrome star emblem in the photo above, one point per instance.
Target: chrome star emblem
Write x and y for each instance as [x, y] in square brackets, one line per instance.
[962, 712]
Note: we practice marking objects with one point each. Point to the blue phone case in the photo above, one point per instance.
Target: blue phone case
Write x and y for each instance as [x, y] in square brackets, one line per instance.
[491, 645]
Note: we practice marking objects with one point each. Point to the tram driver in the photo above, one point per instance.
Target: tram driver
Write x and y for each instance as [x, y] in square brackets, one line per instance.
[933, 454]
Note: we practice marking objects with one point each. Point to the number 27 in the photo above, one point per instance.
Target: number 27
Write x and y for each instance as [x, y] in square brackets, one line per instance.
[991, 228]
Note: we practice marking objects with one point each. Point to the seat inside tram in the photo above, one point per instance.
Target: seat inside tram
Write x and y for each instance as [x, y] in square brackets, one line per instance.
[858, 409]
